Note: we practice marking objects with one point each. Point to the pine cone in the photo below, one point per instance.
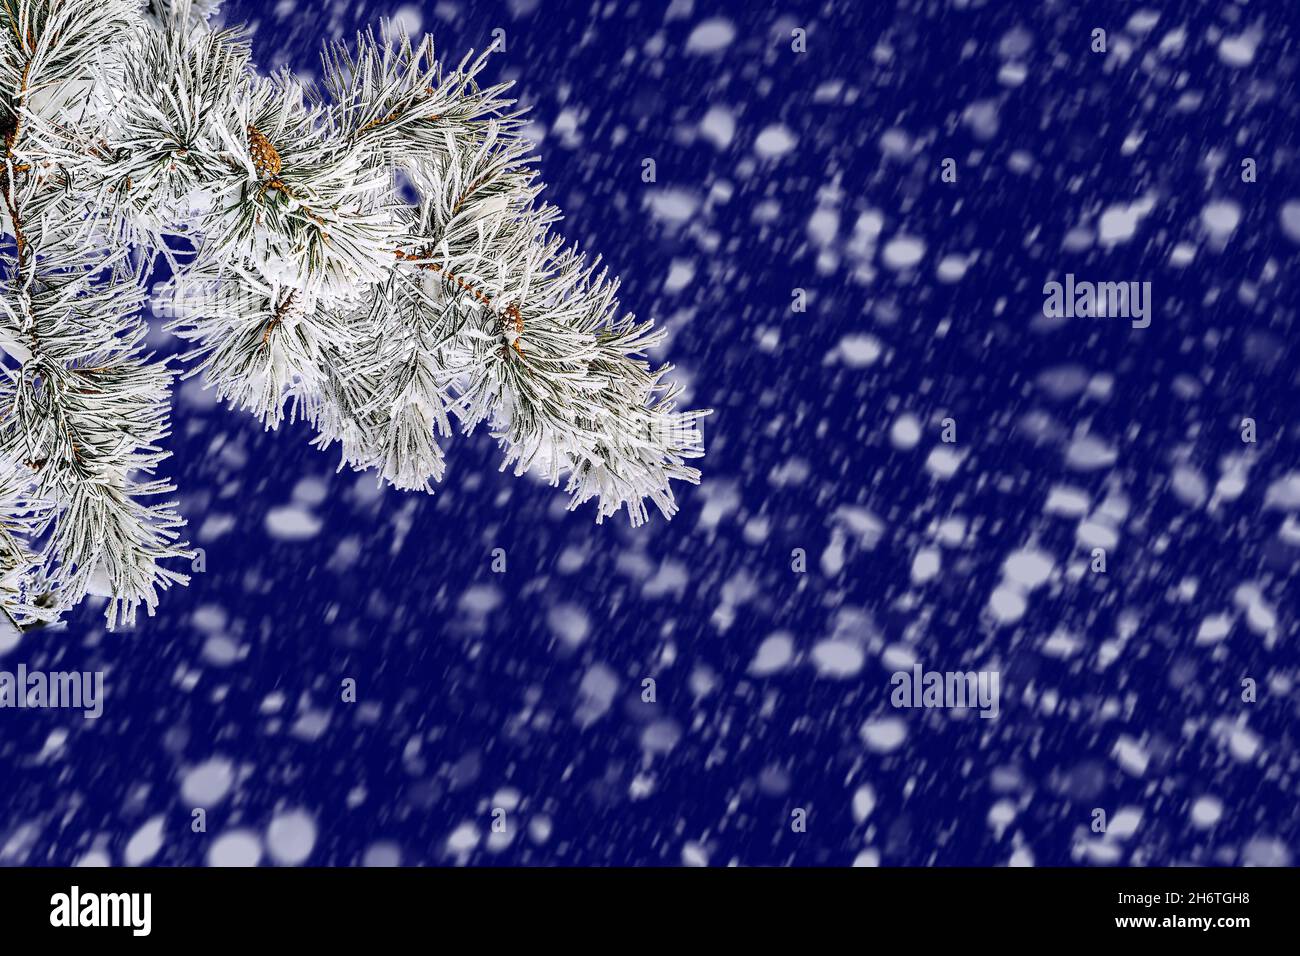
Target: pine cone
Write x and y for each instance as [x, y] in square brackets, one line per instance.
[266, 160]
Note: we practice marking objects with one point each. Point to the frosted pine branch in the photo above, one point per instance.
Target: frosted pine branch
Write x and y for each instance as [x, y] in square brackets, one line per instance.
[370, 254]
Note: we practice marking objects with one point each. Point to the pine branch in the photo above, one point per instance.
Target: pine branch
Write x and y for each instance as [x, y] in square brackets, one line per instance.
[313, 287]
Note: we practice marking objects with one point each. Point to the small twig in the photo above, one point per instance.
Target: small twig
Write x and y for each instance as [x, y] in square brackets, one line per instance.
[395, 114]
[280, 312]
[511, 311]
[466, 194]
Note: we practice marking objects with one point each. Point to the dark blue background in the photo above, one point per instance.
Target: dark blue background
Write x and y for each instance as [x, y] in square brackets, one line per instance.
[457, 704]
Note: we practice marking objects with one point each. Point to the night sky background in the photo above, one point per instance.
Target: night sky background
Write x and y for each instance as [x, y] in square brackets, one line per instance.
[778, 171]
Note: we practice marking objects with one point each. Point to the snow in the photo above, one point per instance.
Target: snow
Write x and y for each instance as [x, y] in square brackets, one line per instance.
[1119, 223]
[905, 433]
[240, 847]
[290, 838]
[903, 252]
[952, 268]
[864, 802]
[1206, 812]
[694, 854]
[711, 35]
[884, 735]
[1238, 51]
[569, 623]
[1089, 453]
[1067, 501]
[673, 205]
[718, 126]
[775, 141]
[1289, 219]
[1213, 629]
[774, 654]
[463, 839]
[1007, 604]
[1028, 568]
[1284, 493]
[382, 854]
[926, 565]
[208, 783]
[860, 351]
[1221, 217]
[837, 659]
[595, 694]
[1131, 756]
[292, 523]
[407, 17]
[145, 843]
[943, 462]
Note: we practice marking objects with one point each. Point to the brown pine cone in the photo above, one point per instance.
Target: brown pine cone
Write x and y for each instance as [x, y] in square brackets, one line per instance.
[266, 160]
